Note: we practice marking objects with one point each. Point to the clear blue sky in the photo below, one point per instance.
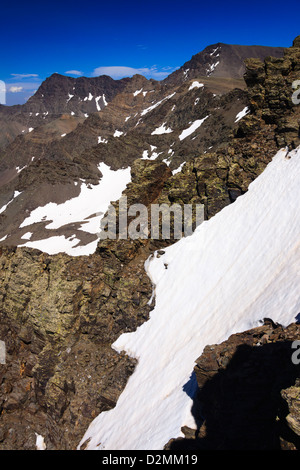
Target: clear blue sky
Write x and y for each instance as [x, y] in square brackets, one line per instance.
[152, 37]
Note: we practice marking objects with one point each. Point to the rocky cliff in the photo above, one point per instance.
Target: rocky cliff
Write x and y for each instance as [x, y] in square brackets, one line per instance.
[248, 396]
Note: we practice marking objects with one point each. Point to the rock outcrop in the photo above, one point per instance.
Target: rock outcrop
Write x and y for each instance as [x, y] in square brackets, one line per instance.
[248, 396]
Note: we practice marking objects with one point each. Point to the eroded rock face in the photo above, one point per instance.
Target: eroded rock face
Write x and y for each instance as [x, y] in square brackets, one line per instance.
[59, 317]
[270, 87]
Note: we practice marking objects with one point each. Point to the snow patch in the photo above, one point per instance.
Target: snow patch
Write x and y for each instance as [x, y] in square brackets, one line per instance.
[97, 101]
[178, 170]
[214, 51]
[147, 110]
[161, 130]
[27, 235]
[193, 127]
[19, 169]
[153, 155]
[196, 85]
[89, 98]
[138, 92]
[241, 114]
[118, 133]
[16, 194]
[185, 74]
[40, 443]
[211, 68]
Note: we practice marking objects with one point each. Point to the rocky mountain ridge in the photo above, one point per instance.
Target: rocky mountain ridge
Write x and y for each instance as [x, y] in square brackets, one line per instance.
[60, 314]
[221, 60]
[60, 94]
[140, 122]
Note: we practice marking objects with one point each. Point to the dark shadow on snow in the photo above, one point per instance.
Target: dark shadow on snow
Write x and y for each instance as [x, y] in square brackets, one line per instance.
[242, 405]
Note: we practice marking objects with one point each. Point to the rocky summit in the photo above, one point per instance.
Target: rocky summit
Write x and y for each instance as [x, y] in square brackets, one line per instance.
[201, 136]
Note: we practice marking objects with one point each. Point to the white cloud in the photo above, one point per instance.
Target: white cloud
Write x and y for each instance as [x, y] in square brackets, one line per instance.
[15, 89]
[18, 92]
[120, 71]
[24, 75]
[74, 72]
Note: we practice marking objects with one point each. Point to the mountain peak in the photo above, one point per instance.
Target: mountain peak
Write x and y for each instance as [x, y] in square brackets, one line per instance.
[221, 60]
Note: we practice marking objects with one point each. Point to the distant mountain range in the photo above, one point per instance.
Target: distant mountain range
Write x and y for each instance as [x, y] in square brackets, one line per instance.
[60, 94]
[70, 125]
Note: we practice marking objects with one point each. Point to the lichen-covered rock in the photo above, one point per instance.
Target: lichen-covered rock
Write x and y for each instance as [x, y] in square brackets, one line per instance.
[292, 397]
[270, 90]
[59, 316]
[296, 42]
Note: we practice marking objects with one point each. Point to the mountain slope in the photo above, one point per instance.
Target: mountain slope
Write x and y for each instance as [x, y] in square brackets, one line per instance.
[70, 149]
[221, 67]
[56, 96]
[223, 279]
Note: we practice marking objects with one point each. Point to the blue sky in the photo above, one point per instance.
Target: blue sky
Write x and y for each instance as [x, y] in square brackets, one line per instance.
[152, 38]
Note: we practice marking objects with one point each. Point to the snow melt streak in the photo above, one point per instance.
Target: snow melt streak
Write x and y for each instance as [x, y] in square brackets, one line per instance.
[237, 268]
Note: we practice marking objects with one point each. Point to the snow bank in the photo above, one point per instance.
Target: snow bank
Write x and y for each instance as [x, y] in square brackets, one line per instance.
[237, 268]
